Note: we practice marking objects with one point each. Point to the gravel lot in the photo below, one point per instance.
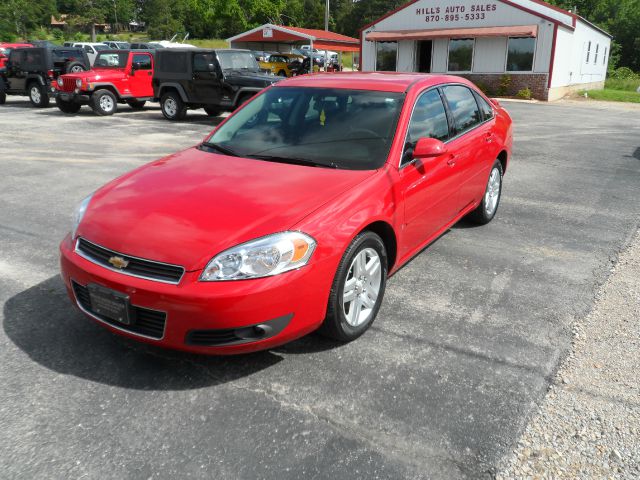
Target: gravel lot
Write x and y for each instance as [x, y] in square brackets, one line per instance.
[470, 336]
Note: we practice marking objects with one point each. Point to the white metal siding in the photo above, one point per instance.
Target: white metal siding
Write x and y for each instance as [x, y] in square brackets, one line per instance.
[406, 56]
[440, 51]
[490, 55]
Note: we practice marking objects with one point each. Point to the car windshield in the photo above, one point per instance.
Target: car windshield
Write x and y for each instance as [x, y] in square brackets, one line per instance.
[111, 60]
[230, 60]
[338, 128]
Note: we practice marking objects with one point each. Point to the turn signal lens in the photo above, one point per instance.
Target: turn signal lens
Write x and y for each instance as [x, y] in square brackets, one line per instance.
[263, 257]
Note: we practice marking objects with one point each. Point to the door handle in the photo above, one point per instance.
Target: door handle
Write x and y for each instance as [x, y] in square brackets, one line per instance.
[452, 160]
[489, 138]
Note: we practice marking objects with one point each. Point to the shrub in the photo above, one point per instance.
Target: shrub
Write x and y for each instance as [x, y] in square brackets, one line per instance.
[624, 73]
[58, 35]
[524, 94]
[505, 85]
[484, 88]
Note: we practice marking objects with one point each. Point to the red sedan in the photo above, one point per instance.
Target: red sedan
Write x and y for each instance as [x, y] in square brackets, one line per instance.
[291, 215]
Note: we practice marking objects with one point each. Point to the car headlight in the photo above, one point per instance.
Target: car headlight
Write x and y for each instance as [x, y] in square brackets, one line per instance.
[79, 83]
[60, 82]
[263, 257]
[79, 214]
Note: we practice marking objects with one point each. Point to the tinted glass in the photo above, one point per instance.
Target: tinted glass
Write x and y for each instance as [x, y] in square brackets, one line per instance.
[463, 106]
[485, 108]
[520, 57]
[68, 54]
[233, 60]
[111, 60]
[101, 48]
[141, 61]
[461, 55]
[201, 61]
[352, 129]
[386, 53]
[429, 119]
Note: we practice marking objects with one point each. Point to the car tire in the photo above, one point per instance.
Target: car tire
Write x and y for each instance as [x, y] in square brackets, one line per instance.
[104, 102]
[212, 111]
[74, 67]
[38, 95]
[3, 98]
[488, 207]
[136, 105]
[352, 308]
[282, 73]
[68, 107]
[244, 98]
[173, 108]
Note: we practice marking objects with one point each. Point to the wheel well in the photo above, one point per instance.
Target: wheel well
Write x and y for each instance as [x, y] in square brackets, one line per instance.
[388, 236]
[503, 160]
[110, 88]
[164, 90]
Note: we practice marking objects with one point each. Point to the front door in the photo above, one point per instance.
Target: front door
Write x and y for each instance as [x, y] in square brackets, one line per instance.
[206, 80]
[141, 75]
[428, 185]
[425, 49]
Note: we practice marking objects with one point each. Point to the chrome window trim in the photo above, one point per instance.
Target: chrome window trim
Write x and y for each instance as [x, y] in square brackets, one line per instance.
[401, 166]
[95, 317]
[86, 257]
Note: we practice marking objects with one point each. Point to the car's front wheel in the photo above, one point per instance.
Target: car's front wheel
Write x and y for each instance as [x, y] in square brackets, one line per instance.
[104, 102]
[358, 289]
[68, 107]
[491, 200]
[173, 108]
[38, 95]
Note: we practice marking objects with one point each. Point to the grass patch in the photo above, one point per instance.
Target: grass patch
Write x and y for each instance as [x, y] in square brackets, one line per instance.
[611, 95]
[627, 84]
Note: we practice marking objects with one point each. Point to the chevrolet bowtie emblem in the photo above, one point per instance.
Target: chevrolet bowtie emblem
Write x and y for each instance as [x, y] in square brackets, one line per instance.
[118, 262]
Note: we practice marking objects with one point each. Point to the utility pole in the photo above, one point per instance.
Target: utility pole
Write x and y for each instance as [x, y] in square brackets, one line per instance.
[326, 17]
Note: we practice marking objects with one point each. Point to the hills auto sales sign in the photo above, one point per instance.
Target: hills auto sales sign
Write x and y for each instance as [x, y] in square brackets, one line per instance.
[457, 13]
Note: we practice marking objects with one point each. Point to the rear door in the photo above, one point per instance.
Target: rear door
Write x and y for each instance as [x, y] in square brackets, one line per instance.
[16, 74]
[141, 75]
[427, 184]
[206, 84]
[469, 140]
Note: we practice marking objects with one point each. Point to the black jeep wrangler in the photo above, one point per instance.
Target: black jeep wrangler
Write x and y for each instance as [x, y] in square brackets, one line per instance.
[216, 80]
[30, 71]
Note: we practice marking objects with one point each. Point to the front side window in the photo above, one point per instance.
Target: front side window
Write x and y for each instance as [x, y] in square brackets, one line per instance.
[89, 49]
[520, 54]
[201, 62]
[386, 55]
[339, 128]
[111, 60]
[463, 106]
[461, 55]
[142, 62]
[429, 120]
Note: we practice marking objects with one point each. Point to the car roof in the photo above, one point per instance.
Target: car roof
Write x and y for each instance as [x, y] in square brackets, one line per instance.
[377, 81]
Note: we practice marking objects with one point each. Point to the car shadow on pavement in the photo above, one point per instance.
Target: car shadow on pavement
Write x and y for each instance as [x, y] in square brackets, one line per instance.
[42, 322]
[148, 114]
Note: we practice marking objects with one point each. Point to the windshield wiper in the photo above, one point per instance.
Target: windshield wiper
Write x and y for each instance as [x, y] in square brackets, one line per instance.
[293, 161]
[219, 148]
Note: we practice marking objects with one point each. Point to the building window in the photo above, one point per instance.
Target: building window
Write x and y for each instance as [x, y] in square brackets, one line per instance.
[461, 55]
[386, 55]
[604, 58]
[588, 52]
[595, 59]
[520, 54]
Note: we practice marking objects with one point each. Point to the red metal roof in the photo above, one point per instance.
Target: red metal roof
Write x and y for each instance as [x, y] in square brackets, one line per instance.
[323, 35]
[322, 39]
[520, 31]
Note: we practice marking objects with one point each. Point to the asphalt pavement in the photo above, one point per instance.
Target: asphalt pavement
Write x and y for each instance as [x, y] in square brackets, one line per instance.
[468, 338]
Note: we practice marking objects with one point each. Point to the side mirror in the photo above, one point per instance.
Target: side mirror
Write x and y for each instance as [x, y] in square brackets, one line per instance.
[429, 148]
[211, 68]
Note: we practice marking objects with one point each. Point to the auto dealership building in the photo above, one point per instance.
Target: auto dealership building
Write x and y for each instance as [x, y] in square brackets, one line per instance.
[506, 45]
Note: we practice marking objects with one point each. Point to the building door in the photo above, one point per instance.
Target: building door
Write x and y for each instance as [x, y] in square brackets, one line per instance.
[425, 47]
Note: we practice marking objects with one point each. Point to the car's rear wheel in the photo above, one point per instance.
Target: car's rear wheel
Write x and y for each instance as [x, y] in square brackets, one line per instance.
[357, 290]
[68, 107]
[212, 111]
[173, 108]
[38, 95]
[282, 73]
[488, 207]
[136, 105]
[104, 102]
[74, 67]
[3, 96]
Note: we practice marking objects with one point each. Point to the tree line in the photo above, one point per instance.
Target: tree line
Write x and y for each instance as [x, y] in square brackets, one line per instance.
[21, 19]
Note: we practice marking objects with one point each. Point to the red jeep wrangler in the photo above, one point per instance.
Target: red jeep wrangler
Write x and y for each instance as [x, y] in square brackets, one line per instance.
[117, 76]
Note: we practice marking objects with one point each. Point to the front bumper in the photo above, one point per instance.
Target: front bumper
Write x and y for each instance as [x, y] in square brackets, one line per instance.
[283, 307]
[72, 97]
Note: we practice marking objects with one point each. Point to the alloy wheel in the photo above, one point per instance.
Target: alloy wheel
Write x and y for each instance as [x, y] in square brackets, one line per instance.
[170, 107]
[106, 103]
[362, 287]
[492, 195]
[36, 96]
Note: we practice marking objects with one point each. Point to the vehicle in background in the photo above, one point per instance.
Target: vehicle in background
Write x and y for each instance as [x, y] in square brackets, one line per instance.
[291, 215]
[118, 45]
[92, 49]
[318, 60]
[261, 56]
[117, 76]
[31, 71]
[145, 46]
[216, 80]
[283, 64]
[170, 44]
[5, 49]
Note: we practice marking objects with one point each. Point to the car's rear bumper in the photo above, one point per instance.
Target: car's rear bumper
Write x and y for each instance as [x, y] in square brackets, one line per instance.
[209, 317]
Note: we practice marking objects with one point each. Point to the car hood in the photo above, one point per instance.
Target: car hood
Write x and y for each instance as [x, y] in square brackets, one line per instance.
[98, 75]
[250, 79]
[188, 207]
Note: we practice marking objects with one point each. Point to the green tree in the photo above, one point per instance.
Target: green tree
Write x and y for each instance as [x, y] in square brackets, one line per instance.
[18, 18]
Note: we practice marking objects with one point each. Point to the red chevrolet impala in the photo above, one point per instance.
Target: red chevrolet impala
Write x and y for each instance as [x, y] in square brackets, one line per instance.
[291, 215]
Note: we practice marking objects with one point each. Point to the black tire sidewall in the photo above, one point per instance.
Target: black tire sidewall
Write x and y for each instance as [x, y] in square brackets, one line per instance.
[486, 218]
[44, 97]
[95, 102]
[180, 107]
[336, 324]
[70, 65]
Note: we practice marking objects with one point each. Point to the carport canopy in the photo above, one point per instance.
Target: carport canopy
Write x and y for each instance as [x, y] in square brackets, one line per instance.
[293, 37]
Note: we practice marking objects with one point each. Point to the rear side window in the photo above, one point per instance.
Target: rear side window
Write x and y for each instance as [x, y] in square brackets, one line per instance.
[463, 106]
[201, 61]
[485, 108]
[171, 62]
[142, 62]
[64, 55]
